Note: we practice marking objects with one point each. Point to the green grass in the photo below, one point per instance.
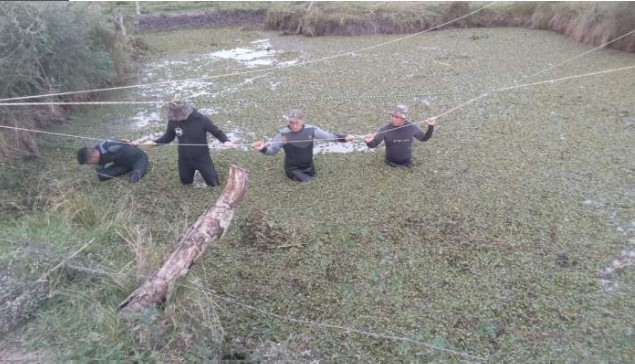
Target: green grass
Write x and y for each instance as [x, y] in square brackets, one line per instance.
[486, 247]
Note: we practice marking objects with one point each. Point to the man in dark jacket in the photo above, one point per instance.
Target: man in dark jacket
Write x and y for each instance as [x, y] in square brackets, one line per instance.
[191, 128]
[297, 141]
[398, 135]
[113, 158]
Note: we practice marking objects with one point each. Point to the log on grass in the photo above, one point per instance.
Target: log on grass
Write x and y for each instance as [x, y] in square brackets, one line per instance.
[209, 227]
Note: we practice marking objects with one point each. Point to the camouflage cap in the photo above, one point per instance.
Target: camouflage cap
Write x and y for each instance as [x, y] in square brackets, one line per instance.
[294, 115]
[180, 109]
[400, 111]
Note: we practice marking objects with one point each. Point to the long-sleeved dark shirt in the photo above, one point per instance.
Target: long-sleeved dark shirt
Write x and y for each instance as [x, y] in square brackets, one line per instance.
[192, 130]
[399, 141]
[112, 152]
[298, 146]
[122, 155]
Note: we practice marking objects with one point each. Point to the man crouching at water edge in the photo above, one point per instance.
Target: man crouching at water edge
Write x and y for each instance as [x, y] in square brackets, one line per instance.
[113, 158]
[297, 141]
[398, 135]
[191, 128]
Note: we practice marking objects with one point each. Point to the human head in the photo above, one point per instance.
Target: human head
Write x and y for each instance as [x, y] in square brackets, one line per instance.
[295, 119]
[87, 155]
[180, 109]
[399, 115]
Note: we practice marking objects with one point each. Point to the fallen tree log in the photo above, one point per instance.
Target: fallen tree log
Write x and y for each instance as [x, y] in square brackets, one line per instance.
[210, 226]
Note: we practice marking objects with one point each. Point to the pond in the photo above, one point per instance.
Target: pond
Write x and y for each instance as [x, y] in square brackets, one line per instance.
[505, 227]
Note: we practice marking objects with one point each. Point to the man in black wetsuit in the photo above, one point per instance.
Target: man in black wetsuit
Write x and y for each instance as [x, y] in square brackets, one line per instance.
[191, 128]
[297, 141]
[398, 135]
[113, 158]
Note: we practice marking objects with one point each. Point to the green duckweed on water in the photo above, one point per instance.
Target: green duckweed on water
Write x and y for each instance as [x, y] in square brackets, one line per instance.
[491, 246]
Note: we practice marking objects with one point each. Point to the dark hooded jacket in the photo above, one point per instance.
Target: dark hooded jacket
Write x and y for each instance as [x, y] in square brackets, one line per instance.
[192, 130]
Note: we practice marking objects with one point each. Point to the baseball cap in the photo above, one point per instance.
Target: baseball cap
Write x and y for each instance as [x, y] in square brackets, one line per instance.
[295, 115]
[400, 111]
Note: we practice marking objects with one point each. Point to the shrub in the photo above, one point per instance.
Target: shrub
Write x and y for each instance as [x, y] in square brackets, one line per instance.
[50, 47]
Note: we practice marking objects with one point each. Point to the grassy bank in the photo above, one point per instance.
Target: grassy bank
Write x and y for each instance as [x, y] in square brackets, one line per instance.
[587, 22]
[491, 246]
[590, 23]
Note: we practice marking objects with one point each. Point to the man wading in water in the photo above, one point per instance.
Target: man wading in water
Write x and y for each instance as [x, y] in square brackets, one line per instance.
[191, 128]
[398, 135]
[297, 141]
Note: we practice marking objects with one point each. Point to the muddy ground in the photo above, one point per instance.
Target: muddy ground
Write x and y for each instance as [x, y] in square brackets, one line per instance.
[206, 19]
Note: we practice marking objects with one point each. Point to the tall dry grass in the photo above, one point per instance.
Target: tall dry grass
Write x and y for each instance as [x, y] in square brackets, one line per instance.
[592, 23]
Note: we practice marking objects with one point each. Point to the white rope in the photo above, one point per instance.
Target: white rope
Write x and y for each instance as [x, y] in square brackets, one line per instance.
[331, 326]
[563, 79]
[581, 55]
[518, 87]
[226, 101]
[234, 301]
[168, 144]
[81, 103]
[51, 133]
[462, 105]
[403, 126]
[438, 116]
[296, 98]
[252, 71]
[548, 69]
[545, 70]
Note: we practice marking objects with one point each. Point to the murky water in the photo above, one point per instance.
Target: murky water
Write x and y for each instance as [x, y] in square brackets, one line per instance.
[259, 53]
[507, 169]
[618, 264]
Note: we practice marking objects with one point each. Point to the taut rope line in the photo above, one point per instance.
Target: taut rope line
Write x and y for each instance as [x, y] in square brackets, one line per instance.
[252, 71]
[357, 136]
[523, 86]
[581, 55]
[440, 115]
[50, 133]
[330, 326]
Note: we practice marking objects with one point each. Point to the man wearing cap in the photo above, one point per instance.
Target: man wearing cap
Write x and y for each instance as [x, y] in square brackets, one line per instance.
[398, 135]
[191, 128]
[113, 158]
[297, 141]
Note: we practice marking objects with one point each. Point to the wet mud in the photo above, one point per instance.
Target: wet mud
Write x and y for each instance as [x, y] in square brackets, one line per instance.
[198, 20]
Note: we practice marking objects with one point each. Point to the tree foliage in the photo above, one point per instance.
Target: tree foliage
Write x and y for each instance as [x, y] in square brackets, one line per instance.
[51, 47]
[48, 48]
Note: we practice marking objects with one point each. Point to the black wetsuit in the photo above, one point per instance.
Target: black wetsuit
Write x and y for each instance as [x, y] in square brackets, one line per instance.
[118, 158]
[298, 150]
[194, 130]
[399, 142]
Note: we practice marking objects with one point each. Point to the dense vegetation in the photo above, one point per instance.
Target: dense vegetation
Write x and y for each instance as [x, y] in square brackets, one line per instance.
[510, 241]
[591, 23]
[52, 47]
